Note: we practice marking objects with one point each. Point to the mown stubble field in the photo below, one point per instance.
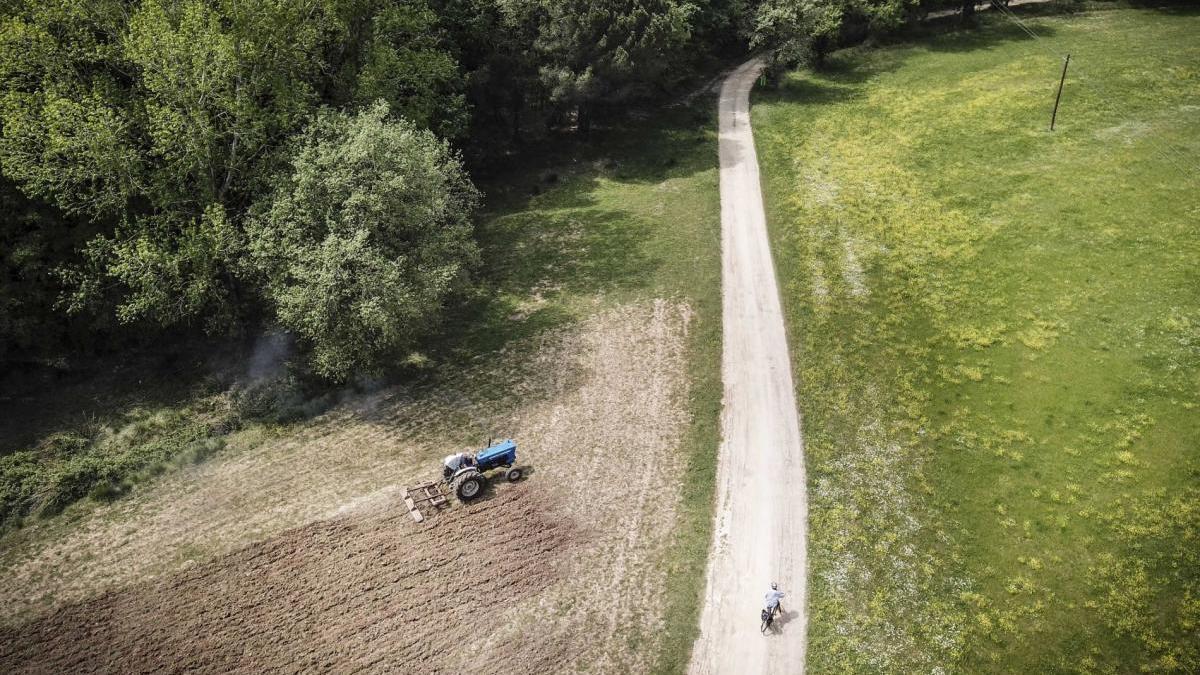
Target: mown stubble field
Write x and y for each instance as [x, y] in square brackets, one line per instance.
[300, 554]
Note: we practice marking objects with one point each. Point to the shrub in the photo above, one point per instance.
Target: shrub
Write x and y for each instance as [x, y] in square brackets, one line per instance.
[277, 400]
[201, 450]
[107, 491]
[67, 467]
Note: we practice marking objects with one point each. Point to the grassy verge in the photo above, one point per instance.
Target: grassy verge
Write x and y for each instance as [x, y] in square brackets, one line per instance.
[104, 460]
[996, 333]
[101, 445]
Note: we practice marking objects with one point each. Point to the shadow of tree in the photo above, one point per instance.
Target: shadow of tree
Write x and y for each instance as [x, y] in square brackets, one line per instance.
[545, 231]
[840, 80]
[38, 400]
[1178, 8]
[993, 31]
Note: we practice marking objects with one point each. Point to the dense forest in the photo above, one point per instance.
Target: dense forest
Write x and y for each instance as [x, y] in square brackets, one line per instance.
[220, 167]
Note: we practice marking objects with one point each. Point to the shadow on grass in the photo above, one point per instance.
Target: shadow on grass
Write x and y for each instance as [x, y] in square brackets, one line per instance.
[1180, 8]
[993, 30]
[548, 233]
[841, 78]
[801, 90]
[37, 400]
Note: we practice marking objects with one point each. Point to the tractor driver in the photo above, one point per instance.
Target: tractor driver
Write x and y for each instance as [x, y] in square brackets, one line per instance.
[454, 462]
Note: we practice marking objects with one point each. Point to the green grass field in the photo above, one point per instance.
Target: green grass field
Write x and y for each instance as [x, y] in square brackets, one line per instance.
[996, 333]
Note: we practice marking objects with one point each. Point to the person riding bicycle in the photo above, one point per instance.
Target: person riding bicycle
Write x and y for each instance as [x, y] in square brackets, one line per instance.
[772, 599]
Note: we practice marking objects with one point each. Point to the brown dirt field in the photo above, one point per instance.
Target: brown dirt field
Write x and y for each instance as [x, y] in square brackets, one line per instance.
[599, 411]
[366, 592]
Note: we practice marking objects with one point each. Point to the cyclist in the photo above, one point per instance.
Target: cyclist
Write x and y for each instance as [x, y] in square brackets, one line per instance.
[772, 599]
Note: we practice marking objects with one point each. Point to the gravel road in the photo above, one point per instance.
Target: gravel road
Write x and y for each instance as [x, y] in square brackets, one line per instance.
[761, 519]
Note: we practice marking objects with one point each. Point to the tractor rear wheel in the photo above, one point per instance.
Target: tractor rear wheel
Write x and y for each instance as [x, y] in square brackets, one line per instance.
[514, 474]
[467, 486]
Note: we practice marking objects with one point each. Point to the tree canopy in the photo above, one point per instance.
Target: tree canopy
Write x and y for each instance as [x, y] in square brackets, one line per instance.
[361, 244]
[609, 50]
[150, 148]
[804, 31]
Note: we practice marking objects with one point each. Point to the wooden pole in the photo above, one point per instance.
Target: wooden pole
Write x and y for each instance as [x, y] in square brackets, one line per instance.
[1058, 98]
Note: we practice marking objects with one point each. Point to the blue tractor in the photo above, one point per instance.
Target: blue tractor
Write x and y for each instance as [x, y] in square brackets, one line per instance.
[468, 481]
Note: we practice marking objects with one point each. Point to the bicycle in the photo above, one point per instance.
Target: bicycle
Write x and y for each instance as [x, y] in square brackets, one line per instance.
[768, 618]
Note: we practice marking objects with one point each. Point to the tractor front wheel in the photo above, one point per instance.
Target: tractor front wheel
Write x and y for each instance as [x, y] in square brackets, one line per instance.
[514, 474]
[467, 486]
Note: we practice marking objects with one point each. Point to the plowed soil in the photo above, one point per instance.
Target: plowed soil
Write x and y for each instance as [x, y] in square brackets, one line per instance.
[297, 554]
[368, 592]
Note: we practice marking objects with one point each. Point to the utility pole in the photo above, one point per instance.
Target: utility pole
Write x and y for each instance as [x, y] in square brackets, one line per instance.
[1057, 98]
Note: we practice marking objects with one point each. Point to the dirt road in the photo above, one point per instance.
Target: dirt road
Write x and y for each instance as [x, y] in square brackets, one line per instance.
[759, 533]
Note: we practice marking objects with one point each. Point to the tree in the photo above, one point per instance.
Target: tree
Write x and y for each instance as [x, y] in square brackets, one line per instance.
[406, 65]
[797, 31]
[154, 123]
[365, 239]
[610, 50]
[153, 126]
[33, 240]
[493, 40]
[723, 24]
[806, 31]
[149, 130]
[217, 85]
[67, 126]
